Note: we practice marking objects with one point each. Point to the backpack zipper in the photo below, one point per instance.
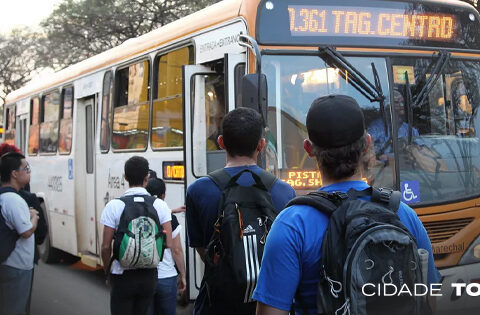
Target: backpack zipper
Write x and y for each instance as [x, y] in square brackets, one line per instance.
[240, 220]
[139, 245]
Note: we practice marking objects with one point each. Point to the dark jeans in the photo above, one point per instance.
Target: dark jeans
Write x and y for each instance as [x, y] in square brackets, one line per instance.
[132, 292]
[165, 300]
[14, 290]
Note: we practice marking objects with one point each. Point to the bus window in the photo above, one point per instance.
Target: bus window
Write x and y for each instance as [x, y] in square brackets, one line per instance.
[441, 157]
[66, 122]
[106, 109]
[49, 125]
[10, 125]
[208, 110]
[167, 124]
[131, 114]
[34, 130]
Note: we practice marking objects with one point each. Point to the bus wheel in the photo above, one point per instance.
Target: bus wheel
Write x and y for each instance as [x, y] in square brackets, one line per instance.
[47, 253]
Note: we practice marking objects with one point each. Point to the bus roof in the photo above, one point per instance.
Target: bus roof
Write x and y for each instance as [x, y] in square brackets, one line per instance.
[217, 13]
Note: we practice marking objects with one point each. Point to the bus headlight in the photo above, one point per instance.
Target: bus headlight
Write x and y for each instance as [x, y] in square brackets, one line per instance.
[472, 255]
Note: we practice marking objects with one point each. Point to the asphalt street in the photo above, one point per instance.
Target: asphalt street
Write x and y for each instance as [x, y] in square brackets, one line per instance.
[73, 289]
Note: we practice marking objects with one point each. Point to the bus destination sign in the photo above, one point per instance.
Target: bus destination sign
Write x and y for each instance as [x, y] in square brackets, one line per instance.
[370, 22]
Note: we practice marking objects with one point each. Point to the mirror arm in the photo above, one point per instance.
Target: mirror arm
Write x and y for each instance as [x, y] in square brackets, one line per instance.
[251, 43]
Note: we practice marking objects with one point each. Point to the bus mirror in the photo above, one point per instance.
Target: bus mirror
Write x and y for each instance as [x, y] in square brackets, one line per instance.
[254, 88]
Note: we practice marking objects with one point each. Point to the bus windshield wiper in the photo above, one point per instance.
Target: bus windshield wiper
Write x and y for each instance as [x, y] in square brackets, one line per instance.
[438, 67]
[373, 92]
[444, 57]
[354, 77]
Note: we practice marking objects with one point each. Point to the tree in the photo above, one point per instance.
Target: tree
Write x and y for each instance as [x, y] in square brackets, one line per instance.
[17, 59]
[76, 30]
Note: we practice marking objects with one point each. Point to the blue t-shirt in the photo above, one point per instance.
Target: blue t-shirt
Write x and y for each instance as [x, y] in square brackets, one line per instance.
[293, 252]
[202, 201]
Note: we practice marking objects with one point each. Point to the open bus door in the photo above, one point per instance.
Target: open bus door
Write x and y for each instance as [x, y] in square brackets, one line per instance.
[208, 95]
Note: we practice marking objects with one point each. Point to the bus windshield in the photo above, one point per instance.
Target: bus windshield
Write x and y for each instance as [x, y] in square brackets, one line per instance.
[440, 158]
[293, 83]
[436, 142]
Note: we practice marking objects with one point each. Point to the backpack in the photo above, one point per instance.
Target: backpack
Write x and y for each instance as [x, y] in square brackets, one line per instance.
[8, 236]
[365, 244]
[235, 250]
[139, 241]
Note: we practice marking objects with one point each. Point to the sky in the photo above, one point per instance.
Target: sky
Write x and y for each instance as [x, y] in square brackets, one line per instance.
[24, 12]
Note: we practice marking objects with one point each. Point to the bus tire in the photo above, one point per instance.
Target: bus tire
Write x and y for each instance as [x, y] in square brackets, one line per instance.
[47, 253]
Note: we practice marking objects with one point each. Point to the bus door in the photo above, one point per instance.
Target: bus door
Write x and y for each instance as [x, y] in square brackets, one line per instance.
[85, 175]
[21, 132]
[209, 94]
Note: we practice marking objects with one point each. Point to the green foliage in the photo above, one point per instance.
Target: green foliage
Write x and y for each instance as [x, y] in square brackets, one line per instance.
[76, 30]
[18, 52]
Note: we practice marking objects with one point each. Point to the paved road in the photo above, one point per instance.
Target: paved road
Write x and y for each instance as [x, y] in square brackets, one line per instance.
[72, 289]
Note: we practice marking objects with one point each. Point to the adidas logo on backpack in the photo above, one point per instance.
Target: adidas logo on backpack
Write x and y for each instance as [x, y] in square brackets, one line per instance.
[248, 230]
[234, 253]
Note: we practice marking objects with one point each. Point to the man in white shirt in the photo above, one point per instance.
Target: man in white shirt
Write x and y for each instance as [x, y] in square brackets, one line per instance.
[132, 290]
[16, 270]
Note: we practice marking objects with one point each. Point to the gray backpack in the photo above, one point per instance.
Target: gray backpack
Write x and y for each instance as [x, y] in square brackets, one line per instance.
[365, 246]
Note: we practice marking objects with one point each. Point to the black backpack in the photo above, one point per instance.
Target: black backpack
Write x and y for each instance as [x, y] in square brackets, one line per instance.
[234, 253]
[139, 241]
[365, 243]
[8, 236]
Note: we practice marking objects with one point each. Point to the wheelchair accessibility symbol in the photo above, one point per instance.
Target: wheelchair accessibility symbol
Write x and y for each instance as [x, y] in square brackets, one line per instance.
[410, 191]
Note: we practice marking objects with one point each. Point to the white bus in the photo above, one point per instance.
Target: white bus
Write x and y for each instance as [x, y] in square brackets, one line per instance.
[163, 96]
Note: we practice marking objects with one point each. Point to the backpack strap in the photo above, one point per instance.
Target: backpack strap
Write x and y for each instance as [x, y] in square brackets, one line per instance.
[380, 195]
[130, 199]
[321, 200]
[222, 179]
[268, 179]
[7, 189]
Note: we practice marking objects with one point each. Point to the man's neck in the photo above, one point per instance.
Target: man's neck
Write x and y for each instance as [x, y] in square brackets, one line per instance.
[240, 161]
[328, 181]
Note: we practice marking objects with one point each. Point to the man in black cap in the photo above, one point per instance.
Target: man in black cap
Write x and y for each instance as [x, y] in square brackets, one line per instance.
[291, 260]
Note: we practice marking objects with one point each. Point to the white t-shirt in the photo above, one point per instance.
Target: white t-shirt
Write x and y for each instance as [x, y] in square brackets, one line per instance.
[113, 211]
[166, 268]
[16, 213]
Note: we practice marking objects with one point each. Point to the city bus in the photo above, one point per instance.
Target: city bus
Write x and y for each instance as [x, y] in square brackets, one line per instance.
[413, 66]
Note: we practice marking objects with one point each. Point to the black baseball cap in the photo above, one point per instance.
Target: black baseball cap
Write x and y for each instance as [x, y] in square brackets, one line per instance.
[334, 121]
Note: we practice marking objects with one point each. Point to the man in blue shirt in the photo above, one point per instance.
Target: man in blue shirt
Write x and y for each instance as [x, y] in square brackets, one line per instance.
[292, 256]
[242, 139]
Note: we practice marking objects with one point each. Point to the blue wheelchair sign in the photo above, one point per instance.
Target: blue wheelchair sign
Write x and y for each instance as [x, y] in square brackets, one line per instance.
[410, 191]
[70, 169]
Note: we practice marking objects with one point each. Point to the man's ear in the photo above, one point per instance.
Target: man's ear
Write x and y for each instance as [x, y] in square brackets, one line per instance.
[368, 139]
[220, 142]
[308, 147]
[261, 144]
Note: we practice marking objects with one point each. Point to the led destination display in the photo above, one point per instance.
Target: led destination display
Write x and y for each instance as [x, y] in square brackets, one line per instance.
[365, 22]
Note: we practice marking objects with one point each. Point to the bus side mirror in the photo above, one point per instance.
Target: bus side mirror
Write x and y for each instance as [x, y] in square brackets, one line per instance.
[254, 93]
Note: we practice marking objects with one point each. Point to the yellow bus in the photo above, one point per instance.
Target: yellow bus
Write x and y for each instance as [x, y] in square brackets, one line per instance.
[413, 66]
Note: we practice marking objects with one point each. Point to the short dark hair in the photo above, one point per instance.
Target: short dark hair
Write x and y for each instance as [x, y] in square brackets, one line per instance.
[10, 162]
[242, 129]
[342, 162]
[156, 187]
[136, 168]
